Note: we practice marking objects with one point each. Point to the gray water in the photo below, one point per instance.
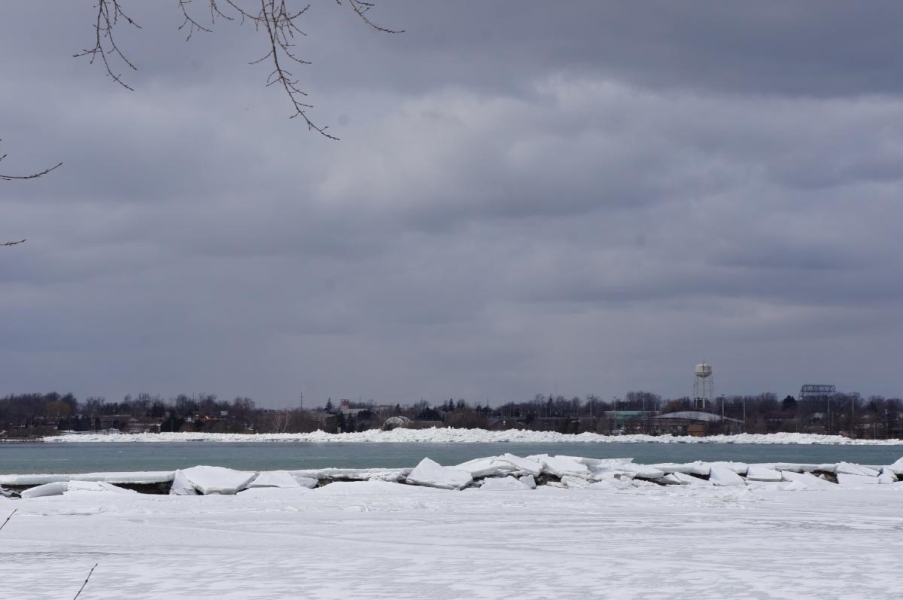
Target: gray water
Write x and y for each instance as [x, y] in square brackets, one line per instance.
[61, 457]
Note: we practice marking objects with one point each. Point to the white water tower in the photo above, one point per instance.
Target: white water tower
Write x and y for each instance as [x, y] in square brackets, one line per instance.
[703, 386]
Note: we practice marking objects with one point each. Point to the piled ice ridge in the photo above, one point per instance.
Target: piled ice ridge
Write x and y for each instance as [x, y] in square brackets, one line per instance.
[506, 472]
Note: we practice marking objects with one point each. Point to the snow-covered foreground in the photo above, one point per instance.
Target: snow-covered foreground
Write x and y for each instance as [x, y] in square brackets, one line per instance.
[748, 531]
[469, 436]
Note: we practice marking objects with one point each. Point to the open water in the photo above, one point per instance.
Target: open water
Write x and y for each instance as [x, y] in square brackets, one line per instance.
[62, 457]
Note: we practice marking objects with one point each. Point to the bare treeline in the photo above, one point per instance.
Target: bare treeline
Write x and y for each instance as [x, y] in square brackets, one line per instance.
[849, 414]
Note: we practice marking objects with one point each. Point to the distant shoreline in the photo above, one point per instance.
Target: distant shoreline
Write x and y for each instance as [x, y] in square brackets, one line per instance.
[463, 436]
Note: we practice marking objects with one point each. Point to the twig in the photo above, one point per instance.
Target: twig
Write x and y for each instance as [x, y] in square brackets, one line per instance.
[108, 14]
[86, 581]
[278, 22]
[32, 176]
[15, 509]
[11, 244]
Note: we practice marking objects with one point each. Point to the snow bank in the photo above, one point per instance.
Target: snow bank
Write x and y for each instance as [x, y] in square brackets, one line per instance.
[468, 436]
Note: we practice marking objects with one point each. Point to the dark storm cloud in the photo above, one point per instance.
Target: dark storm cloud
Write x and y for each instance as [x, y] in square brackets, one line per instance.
[589, 195]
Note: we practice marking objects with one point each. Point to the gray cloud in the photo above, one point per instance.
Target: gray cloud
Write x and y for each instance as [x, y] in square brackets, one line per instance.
[571, 196]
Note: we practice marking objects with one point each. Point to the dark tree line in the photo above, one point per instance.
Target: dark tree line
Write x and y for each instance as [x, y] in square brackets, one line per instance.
[849, 414]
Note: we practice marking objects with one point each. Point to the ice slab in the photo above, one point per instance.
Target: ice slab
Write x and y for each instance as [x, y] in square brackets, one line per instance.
[526, 465]
[217, 480]
[852, 469]
[529, 481]
[850, 480]
[887, 476]
[305, 482]
[694, 468]
[181, 486]
[486, 467]
[54, 488]
[641, 471]
[560, 466]
[724, 477]
[392, 475]
[276, 479]
[109, 477]
[737, 467]
[573, 482]
[760, 473]
[795, 467]
[611, 480]
[503, 484]
[431, 474]
[807, 479]
[77, 486]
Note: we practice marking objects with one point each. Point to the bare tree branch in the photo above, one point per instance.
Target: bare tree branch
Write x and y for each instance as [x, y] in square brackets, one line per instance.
[4, 177]
[14, 510]
[91, 572]
[12, 244]
[105, 47]
[274, 17]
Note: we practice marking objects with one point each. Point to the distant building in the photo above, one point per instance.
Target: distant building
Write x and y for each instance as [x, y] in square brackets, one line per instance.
[696, 423]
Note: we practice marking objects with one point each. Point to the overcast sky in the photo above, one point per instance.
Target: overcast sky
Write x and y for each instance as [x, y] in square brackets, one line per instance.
[528, 197]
